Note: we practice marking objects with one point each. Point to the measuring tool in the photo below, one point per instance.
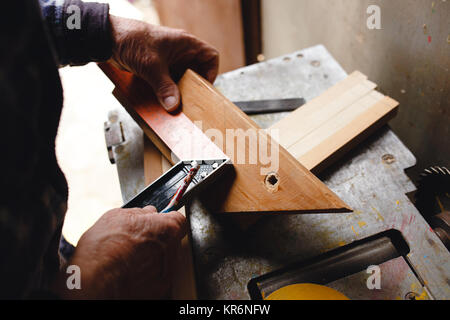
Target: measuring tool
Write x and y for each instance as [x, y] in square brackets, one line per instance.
[161, 192]
[270, 105]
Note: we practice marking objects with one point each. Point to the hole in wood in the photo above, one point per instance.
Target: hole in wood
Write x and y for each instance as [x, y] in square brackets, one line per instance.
[272, 181]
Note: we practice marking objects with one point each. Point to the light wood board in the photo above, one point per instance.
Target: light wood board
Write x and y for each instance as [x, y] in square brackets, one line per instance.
[322, 130]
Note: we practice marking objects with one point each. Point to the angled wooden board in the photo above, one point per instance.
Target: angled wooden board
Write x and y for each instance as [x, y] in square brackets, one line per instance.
[297, 190]
[289, 188]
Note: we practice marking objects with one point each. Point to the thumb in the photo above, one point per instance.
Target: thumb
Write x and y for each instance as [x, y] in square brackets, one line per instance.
[166, 90]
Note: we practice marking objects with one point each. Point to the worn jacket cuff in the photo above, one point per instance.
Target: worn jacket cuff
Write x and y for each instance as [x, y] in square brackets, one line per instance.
[81, 31]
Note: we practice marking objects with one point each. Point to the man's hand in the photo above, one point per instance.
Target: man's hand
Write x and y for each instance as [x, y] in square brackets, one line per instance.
[159, 55]
[127, 254]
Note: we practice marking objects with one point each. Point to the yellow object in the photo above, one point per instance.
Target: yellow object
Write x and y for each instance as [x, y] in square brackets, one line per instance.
[306, 291]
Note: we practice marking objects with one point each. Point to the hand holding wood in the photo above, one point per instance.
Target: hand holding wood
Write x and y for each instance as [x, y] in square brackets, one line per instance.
[161, 55]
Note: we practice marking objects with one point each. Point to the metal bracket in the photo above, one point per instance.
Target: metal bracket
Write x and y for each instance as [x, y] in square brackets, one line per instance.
[114, 135]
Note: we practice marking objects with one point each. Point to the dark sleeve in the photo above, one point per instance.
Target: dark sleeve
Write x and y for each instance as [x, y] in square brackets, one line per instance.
[81, 32]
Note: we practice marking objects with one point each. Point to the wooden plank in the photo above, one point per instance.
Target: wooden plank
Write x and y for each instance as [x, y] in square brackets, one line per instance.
[153, 158]
[217, 22]
[173, 134]
[296, 189]
[326, 127]
[356, 130]
[308, 122]
[320, 109]
[289, 188]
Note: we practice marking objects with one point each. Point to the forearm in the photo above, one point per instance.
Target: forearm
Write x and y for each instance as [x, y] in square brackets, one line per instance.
[80, 32]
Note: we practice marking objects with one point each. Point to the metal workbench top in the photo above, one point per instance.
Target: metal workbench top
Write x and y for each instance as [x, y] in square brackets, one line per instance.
[370, 179]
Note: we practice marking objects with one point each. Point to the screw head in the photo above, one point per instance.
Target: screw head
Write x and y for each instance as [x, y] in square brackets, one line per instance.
[388, 158]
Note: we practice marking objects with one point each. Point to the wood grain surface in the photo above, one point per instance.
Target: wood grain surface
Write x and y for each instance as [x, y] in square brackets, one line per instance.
[321, 131]
[289, 188]
[297, 190]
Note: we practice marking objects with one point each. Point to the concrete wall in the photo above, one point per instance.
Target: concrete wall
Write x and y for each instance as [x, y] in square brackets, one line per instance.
[409, 58]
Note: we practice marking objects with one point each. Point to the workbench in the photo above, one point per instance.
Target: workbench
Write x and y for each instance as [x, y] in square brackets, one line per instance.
[370, 179]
